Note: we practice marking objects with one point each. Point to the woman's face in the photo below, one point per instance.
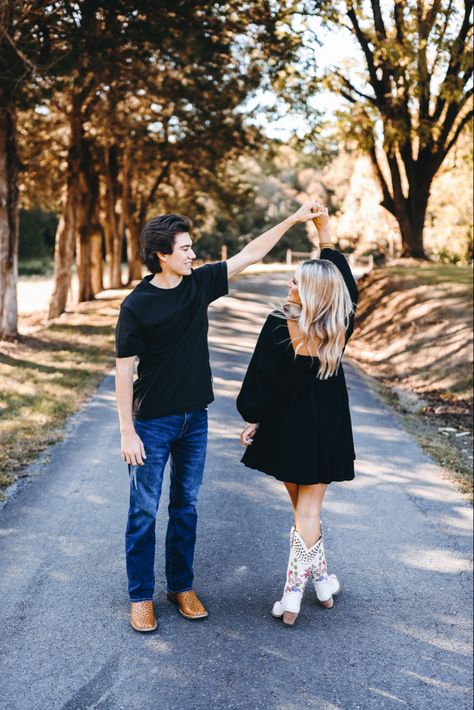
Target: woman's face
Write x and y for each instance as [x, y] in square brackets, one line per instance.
[293, 293]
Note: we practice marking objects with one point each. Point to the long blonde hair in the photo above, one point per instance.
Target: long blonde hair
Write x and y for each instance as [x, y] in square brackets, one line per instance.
[323, 314]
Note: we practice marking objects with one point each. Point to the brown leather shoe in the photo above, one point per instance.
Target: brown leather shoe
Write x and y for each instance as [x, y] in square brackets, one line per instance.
[189, 605]
[142, 616]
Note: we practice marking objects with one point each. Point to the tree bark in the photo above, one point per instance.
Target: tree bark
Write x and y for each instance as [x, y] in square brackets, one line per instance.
[66, 230]
[113, 234]
[9, 222]
[128, 225]
[86, 216]
[96, 240]
[132, 234]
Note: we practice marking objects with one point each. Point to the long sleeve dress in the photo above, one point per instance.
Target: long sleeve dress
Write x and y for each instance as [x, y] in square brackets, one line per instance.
[305, 432]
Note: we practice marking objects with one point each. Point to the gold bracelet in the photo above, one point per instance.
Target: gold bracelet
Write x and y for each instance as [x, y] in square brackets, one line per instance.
[326, 245]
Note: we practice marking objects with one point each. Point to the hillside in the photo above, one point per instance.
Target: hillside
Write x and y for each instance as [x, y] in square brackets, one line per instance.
[414, 334]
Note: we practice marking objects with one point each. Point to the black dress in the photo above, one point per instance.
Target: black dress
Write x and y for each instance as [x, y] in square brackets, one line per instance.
[305, 432]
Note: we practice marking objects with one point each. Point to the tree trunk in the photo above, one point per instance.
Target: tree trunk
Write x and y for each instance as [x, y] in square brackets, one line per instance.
[128, 224]
[97, 269]
[96, 240]
[66, 230]
[411, 228]
[113, 235]
[9, 223]
[410, 212]
[132, 233]
[86, 217]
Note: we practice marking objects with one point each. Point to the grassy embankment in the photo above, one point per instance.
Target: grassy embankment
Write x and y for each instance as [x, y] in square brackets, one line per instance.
[414, 335]
[46, 376]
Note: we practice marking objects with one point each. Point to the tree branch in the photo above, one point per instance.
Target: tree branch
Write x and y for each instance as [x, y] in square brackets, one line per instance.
[159, 179]
[398, 17]
[352, 88]
[465, 120]
[387, 200]
[455, 59]
[369, 57]
[378, 19]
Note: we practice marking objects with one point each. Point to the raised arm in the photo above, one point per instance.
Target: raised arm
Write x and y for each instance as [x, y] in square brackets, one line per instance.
[260, 246]
[328, 251]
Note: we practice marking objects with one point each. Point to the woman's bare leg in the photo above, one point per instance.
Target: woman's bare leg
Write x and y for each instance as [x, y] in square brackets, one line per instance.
[292, 489]
[308, 512]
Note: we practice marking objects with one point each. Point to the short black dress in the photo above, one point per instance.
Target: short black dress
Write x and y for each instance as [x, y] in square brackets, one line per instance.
[305, 432]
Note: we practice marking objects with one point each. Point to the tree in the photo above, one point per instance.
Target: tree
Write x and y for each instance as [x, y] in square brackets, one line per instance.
[23, 47]
[413, 99]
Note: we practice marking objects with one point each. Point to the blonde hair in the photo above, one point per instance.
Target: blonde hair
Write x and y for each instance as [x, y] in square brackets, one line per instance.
[323, 314]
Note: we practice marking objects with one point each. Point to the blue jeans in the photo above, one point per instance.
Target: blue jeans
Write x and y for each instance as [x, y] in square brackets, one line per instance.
[184, 437]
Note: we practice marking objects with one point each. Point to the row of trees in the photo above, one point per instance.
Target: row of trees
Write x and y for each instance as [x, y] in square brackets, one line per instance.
[115, 102]
[109, 110]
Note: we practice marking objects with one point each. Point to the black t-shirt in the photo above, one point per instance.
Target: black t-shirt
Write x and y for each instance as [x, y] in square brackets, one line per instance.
[167, 330]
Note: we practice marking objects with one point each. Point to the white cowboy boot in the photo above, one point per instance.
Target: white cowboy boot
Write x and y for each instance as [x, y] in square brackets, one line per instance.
[325, 585]
[297, 575]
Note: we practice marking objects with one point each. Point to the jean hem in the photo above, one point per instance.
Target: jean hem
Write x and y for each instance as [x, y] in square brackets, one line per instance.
[179, 591]
[146, 599]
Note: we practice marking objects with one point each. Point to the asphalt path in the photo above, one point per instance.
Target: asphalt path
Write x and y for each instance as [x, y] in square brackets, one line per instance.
[399, 537]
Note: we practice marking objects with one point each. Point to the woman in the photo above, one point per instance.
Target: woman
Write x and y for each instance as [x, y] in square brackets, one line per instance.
[294, 399]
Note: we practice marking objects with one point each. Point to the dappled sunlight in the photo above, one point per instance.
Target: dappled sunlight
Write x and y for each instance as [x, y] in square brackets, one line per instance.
[345, 507]
[389, 696]
[442, 561]
[435, 638]
[250, 492]
[436, 682]
[94, 498]
[159, 645]
[460, 518]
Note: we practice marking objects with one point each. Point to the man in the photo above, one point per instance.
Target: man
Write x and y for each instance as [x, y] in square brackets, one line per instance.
[164, 323]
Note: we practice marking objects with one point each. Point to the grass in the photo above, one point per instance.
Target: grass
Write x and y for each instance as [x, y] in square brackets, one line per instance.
[414, 336]
[45, 377]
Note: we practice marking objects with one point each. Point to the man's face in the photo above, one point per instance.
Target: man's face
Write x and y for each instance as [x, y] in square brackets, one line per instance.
[180, 261]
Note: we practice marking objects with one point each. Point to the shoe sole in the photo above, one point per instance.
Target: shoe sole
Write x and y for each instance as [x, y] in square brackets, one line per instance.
[191, 618]
[143, 631]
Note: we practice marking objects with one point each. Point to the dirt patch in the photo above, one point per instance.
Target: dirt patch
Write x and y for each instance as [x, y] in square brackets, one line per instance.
[414, 335]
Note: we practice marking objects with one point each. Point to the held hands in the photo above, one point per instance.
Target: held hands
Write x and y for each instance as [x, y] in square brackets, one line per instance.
[132, 449]
[312, 209]
[247, 434]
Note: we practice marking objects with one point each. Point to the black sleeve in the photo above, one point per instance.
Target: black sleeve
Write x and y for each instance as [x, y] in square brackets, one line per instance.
[255, 394]
[128, 335]
[340, 261]
[212, 278]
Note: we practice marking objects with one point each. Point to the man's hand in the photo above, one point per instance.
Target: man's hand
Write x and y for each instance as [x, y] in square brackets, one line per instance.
[311, 209]
[247, 434]
[132, 449]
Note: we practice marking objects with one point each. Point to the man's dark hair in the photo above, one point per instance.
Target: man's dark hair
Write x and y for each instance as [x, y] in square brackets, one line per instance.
[159, 235]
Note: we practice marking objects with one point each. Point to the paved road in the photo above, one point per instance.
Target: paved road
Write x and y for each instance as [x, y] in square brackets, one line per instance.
[398, 536]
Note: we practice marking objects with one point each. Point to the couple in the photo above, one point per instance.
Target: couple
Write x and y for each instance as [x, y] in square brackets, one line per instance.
[294, 399]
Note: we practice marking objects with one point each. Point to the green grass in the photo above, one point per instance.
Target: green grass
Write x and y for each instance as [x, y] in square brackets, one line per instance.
[46, 377]
[434, 274]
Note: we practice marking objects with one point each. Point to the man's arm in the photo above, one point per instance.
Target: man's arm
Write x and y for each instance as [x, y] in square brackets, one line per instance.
[131, 446]
[260, 246]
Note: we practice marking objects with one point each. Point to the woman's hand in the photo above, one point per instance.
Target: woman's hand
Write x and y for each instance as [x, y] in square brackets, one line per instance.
[247, 434]
[321, 222]
[311, 209]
